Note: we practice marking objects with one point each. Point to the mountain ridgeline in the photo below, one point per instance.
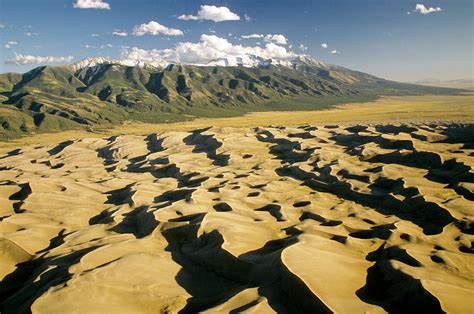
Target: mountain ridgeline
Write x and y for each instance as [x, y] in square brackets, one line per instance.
[94, 96]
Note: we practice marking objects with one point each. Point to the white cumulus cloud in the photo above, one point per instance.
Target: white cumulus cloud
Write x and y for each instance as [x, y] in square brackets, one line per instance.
[29, 59]
[334, 51]
[275, 38]
[155, 28]
[10, 44]
[252, 36]
[210, 48]
[324, 45]
[212, 13]
[91, 4]
[121, 34]
[424, 10]
[302, 47]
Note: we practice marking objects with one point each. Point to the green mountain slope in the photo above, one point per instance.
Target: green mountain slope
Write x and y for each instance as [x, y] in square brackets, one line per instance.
[53, 98]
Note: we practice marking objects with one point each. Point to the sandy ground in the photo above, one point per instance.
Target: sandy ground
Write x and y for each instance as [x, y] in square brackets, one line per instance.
[310, 218]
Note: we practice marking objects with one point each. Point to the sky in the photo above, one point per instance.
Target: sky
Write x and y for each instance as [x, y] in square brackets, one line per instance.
[402, 40]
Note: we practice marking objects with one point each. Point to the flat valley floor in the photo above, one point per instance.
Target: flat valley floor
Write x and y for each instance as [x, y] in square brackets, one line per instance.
[307, 218]
[387, 109]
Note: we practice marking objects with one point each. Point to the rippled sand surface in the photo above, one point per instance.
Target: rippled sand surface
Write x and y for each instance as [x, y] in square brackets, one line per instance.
[346, 219]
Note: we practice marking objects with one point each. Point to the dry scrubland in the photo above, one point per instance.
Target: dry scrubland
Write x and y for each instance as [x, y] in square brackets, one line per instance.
[312, 218]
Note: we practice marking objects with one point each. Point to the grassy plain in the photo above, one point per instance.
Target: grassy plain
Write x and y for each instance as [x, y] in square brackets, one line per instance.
[385, 109]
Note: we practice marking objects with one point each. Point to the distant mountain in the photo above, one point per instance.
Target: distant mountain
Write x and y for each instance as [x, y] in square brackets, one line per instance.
[97, 92]
[459, 83]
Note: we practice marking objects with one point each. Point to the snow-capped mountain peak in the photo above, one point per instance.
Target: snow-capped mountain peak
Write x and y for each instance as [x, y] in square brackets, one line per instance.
[228, 61]
[95, 61]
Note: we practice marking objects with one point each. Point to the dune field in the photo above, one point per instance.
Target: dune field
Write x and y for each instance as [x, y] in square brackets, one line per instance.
[312, 218]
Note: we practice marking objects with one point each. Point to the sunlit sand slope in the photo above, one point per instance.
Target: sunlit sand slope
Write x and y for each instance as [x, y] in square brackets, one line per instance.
[346, 219]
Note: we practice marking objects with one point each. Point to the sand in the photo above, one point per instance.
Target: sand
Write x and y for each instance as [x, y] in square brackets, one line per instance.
[312, 218]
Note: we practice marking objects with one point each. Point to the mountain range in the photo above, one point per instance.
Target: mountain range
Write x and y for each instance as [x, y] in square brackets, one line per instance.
[97, 92]
[458, 83]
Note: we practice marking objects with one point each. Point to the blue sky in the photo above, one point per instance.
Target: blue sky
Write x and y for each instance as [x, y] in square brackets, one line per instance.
[374, 36]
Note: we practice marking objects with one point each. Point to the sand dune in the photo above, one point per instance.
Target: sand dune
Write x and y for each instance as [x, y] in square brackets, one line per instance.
[327, 218]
